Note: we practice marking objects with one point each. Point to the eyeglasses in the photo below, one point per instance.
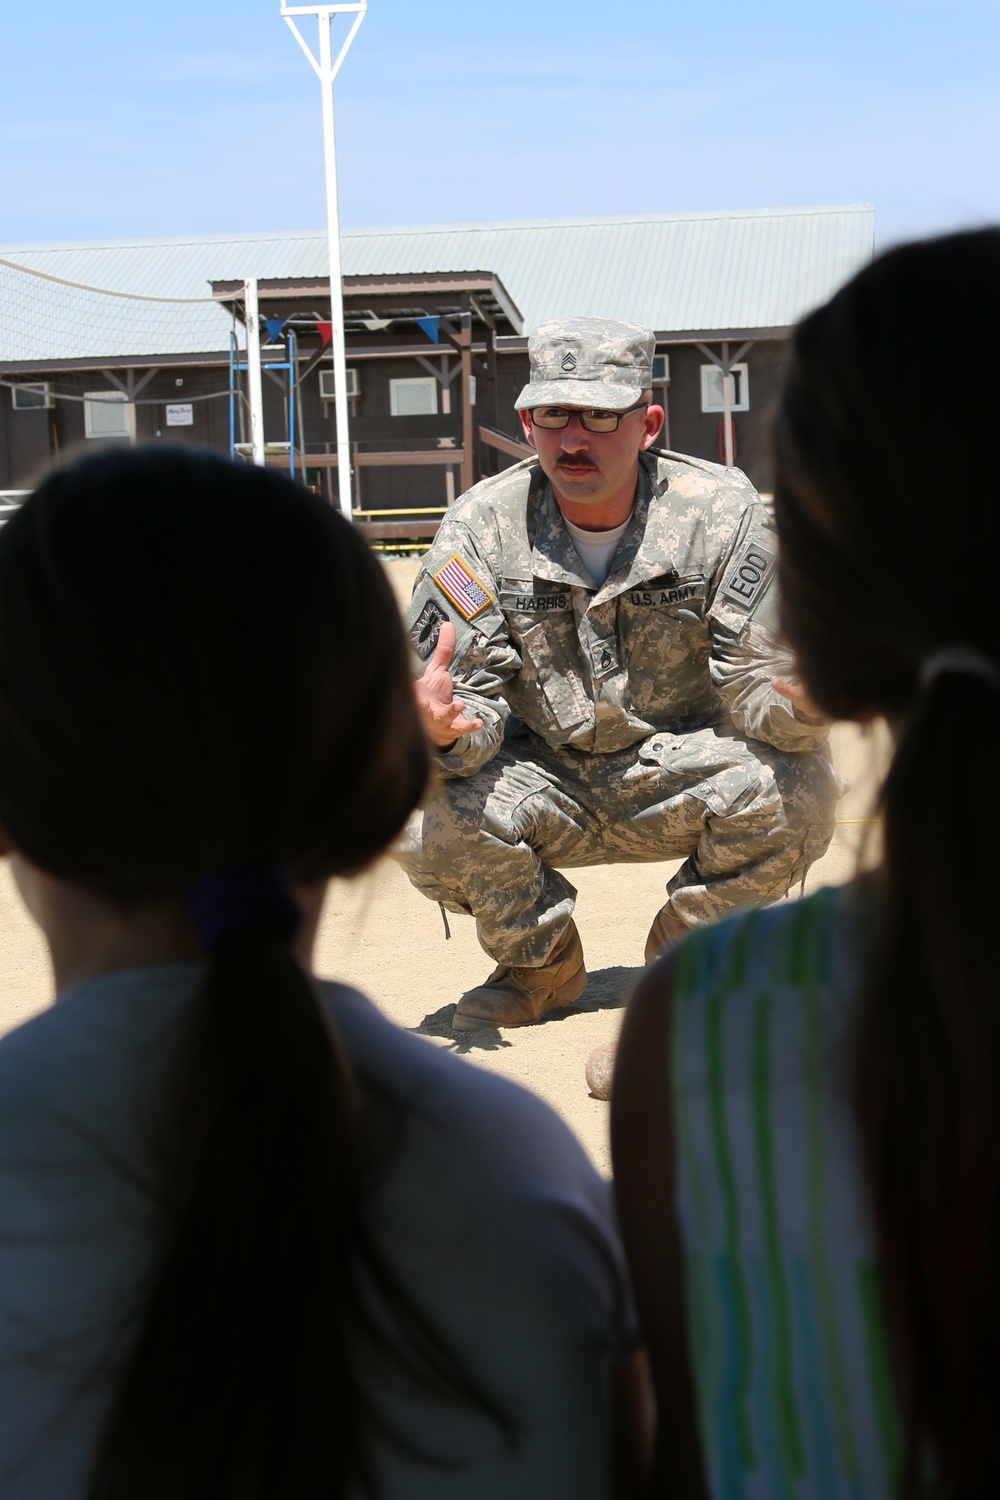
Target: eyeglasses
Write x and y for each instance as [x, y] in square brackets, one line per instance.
[592, 419]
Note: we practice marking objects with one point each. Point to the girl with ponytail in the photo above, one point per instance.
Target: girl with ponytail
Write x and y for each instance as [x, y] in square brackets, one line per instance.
[255, 1243]
[812, 1207]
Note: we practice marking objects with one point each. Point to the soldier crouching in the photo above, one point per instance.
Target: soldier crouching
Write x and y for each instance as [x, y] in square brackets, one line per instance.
[606, 616]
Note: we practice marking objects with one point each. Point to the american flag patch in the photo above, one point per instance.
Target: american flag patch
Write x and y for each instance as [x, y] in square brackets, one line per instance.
[463, 588]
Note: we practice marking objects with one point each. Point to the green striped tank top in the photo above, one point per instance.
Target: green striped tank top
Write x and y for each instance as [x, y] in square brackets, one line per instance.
[783, 1294]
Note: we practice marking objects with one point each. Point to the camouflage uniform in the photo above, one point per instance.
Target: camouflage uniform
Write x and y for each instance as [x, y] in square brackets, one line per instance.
[631, 722]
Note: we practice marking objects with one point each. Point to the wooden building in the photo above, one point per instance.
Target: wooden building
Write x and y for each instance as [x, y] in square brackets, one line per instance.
[436, 352]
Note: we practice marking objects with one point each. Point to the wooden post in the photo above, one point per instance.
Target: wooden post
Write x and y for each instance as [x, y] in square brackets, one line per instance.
[493, 405]
[444, 378]
[727, 405]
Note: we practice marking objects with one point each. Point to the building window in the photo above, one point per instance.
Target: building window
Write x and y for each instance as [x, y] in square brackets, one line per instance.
[414, 397]
[712, 396]
[328, 387]
[107, 414]
[32, 396]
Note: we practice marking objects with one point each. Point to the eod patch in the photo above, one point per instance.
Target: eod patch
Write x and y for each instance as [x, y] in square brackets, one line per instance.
[749, 576]
[426, 628]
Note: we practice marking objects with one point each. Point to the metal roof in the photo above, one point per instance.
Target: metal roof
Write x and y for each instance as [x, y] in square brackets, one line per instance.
[698, 272]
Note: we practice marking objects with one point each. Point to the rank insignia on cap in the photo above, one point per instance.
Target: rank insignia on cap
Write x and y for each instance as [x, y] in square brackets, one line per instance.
[463, 588]
[568, 362]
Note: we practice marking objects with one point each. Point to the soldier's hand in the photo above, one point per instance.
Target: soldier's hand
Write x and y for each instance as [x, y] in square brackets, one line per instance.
[797, 696]
[443, 714]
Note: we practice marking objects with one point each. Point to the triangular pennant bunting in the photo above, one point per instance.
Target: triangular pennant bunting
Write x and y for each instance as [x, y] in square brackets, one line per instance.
[325, 331]
[375, 325]
[430, 327]
[274, 327]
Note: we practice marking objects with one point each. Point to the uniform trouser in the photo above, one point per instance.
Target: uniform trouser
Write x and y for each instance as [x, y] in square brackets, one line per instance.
[747, 819]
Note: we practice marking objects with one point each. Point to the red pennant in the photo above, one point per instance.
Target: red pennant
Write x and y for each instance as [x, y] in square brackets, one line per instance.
[325, 331]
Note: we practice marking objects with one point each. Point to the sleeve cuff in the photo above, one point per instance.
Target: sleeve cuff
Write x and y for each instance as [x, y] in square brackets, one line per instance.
[454, 759]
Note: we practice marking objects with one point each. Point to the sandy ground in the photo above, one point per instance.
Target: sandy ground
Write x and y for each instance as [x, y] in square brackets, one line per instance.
[380, 935]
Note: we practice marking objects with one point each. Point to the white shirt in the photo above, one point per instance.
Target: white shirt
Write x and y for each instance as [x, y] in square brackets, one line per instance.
[489, 1212]
[597, 548]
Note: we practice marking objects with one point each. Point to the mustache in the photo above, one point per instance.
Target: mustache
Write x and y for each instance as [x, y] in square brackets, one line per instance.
[577, 460]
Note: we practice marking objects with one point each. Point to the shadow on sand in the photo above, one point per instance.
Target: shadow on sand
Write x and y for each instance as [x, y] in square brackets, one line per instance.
[607, 989]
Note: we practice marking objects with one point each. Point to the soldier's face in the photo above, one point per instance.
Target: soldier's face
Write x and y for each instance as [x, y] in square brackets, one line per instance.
[593, 468]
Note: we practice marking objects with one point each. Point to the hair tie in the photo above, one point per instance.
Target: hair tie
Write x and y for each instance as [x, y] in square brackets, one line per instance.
[242, 901]
[965, 660]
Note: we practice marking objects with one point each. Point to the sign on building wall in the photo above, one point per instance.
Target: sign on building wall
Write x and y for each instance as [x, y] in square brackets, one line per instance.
[180, 416]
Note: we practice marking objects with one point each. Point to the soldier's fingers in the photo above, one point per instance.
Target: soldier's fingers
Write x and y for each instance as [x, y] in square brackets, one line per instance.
[466, 726]
[788, 689]
[444, 648]
[458, 708]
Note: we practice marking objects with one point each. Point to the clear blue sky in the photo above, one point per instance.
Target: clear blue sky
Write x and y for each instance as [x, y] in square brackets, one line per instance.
[130, 119]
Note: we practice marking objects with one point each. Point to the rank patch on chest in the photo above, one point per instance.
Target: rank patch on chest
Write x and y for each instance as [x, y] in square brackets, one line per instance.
[426, 627]
[459, 584]
[749, 576]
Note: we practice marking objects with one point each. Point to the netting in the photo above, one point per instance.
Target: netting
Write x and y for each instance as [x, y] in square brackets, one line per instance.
[47, 319]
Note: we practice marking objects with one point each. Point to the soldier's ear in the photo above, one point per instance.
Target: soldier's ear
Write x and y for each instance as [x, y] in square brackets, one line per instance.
[529, 431]
[652, 422]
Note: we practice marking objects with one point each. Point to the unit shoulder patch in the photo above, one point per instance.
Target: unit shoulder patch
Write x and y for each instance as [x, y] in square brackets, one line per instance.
[426, 628]
[749, 576]
[460, 585]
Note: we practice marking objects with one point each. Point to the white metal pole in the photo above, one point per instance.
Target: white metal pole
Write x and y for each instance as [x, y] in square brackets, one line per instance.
[326, 69]
[336, 281]
[253, 371]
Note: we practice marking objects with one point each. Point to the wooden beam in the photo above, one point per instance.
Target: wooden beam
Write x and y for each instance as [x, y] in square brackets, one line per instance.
[387, 430]
[480, 311]
[383, 531]
[400, 351]
[398, 460]
[517, 344]
[118, 362]
[386, 514]
[505, 444]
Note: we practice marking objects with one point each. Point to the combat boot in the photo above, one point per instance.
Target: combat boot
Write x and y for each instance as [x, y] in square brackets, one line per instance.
[517, 996]
[664, 933]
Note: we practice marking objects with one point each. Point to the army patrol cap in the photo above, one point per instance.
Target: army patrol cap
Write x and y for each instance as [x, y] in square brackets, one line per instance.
[588, 362]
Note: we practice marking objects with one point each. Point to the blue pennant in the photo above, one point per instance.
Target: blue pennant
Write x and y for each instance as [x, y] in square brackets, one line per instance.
[274, 327]
[430, 327]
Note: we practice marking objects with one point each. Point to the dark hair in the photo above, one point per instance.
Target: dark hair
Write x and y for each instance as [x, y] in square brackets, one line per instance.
[202, 669]
[887, 500]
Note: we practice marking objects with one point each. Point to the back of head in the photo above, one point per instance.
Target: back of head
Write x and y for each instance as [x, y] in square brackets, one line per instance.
[203, 672]
[201, 669]
[887, 499]
[887, 484]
